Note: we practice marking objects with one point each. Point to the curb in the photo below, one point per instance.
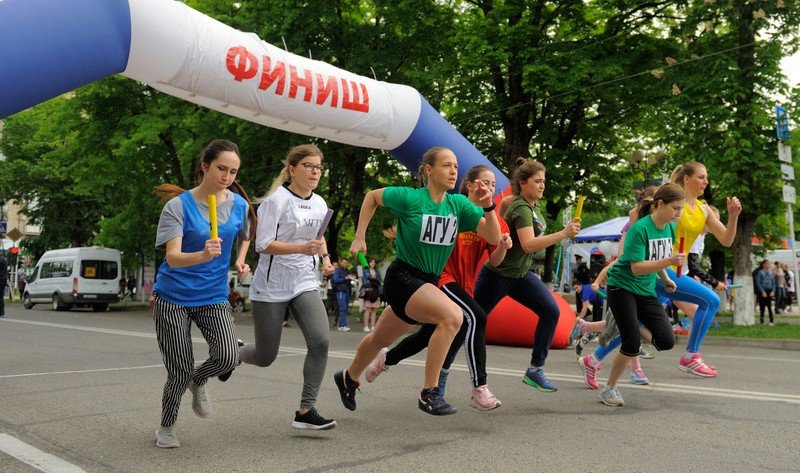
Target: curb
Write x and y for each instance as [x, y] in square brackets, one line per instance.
[770, 343]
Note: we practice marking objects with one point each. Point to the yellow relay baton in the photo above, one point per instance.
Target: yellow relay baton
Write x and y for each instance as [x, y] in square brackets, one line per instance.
[212, 215]
[579, 209]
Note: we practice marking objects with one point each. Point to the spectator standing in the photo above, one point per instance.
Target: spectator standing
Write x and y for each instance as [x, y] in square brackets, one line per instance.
[22, 280]
[780, 286]
[132, 282]
[3, 283]
[765, 287]
[341, 284]
[582, 277]
[331, 306]
[371, 278]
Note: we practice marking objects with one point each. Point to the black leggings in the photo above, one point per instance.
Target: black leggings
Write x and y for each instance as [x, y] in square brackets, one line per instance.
[765, 302]
[629, 309]
[472, 334]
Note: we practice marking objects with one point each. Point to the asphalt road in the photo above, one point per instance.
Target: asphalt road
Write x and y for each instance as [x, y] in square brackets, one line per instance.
[81, 391]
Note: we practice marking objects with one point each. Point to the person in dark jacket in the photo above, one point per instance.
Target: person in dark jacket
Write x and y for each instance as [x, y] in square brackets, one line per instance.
[765, 286]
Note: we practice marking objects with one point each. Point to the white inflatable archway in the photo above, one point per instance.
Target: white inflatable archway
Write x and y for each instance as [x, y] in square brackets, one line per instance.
[53, 46]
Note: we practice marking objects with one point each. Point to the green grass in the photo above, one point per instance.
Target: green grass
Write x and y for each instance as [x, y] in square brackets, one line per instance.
[781, 331]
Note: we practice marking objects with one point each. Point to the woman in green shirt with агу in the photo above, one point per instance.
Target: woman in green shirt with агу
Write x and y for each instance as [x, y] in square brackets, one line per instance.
[428, 221]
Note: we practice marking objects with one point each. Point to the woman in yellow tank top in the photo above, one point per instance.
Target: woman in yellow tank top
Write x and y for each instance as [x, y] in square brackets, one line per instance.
[691, 295]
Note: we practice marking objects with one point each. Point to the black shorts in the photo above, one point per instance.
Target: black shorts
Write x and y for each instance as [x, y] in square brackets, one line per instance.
[401, 282]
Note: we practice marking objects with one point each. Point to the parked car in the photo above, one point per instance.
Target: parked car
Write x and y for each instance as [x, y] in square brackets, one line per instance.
[75, 277]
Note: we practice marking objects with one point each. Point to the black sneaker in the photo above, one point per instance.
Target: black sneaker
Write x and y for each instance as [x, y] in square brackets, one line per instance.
[224, 376]
[432, 402]
[347, 389]
[311, 420]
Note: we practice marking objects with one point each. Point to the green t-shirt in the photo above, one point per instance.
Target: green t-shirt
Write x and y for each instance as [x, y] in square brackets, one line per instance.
[520, 214]
[427, 231]
[643, 242]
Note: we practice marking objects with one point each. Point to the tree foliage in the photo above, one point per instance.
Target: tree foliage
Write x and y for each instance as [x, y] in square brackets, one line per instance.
[577, 85]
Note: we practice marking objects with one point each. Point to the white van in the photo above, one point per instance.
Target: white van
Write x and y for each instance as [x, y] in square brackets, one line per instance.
[75, 277]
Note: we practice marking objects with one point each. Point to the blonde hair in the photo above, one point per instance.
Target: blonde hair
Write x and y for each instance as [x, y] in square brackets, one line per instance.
[683, 170]
[428, 159]
[293, 158]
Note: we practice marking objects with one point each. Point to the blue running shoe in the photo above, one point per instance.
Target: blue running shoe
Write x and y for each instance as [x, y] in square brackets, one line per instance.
[432, 402]
[443, 381]
[538, 380]
[638, 377]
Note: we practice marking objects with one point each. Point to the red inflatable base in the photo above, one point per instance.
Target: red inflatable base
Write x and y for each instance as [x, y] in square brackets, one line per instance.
[511, 323]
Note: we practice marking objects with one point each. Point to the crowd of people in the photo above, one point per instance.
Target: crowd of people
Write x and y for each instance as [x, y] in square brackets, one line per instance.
[437, 281]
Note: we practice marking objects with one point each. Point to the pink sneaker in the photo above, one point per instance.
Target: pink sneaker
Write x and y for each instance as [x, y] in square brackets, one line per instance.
[696, 366]
[590, 372]
[377, 366]
[483, 399]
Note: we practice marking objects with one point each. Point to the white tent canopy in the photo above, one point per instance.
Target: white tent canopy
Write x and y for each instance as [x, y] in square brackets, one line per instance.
[604, 236]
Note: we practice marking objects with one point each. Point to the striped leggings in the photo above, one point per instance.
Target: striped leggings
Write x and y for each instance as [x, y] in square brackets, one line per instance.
[173, 324]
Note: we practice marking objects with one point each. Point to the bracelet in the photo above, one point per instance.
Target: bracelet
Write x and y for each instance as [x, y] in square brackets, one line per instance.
[326, 255]
[490, 208]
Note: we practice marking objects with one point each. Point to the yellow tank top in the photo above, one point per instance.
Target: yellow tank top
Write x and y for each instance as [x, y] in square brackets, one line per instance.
[690, 225]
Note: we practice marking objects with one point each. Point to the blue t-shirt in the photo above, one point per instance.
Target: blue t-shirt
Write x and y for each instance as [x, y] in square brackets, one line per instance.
[205, 283]
[588, 295]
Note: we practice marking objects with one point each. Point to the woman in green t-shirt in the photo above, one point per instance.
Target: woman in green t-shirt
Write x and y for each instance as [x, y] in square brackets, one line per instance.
[513, 276]
[632, 282]
[428, 221]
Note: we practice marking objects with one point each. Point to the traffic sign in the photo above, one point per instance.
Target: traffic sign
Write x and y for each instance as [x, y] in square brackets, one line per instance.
[15, 234]
[782, 123]
[784, 153]
[789, 195]
[787, 174]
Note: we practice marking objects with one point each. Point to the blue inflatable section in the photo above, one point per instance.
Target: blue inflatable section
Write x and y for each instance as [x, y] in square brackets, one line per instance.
[433, 130]
[46, 49]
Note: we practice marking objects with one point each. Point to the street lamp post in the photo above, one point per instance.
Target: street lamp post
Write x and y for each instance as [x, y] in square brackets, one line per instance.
[643, 160]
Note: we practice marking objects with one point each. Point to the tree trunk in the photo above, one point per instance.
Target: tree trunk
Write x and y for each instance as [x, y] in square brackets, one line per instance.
[744, 313]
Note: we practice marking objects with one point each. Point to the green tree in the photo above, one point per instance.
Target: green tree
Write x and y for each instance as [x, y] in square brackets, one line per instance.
[722, 111]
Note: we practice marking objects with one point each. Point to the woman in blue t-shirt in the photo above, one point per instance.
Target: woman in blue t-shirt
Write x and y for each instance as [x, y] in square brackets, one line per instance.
[632, 283]
[192, 284]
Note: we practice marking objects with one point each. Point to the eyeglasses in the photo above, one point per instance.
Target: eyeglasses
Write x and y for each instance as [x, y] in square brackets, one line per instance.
[488, 183]
[310, 167]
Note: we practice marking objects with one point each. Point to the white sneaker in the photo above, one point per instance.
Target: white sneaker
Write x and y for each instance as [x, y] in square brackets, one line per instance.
[377, 365]
[165, 437]
[367, 329]
[483, 399]
[201, 403]
[610, 396]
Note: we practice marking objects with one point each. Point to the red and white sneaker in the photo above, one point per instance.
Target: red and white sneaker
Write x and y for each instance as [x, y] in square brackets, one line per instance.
[696, 366]
[483, 399]
[377, 365]
[590, 371]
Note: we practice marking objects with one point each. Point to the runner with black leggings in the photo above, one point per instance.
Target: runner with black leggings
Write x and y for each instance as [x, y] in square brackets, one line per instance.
[428, 222]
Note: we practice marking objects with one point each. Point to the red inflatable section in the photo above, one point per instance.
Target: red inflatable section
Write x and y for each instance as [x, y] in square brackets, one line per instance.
[511, 323]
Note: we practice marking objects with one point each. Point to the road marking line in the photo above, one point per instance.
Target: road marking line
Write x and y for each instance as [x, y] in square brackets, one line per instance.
[35, 457]
[46, 373]
[347, 355]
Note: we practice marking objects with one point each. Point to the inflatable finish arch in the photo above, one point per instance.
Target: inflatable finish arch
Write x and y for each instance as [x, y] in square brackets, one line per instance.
[53, 46]
[49, 47]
